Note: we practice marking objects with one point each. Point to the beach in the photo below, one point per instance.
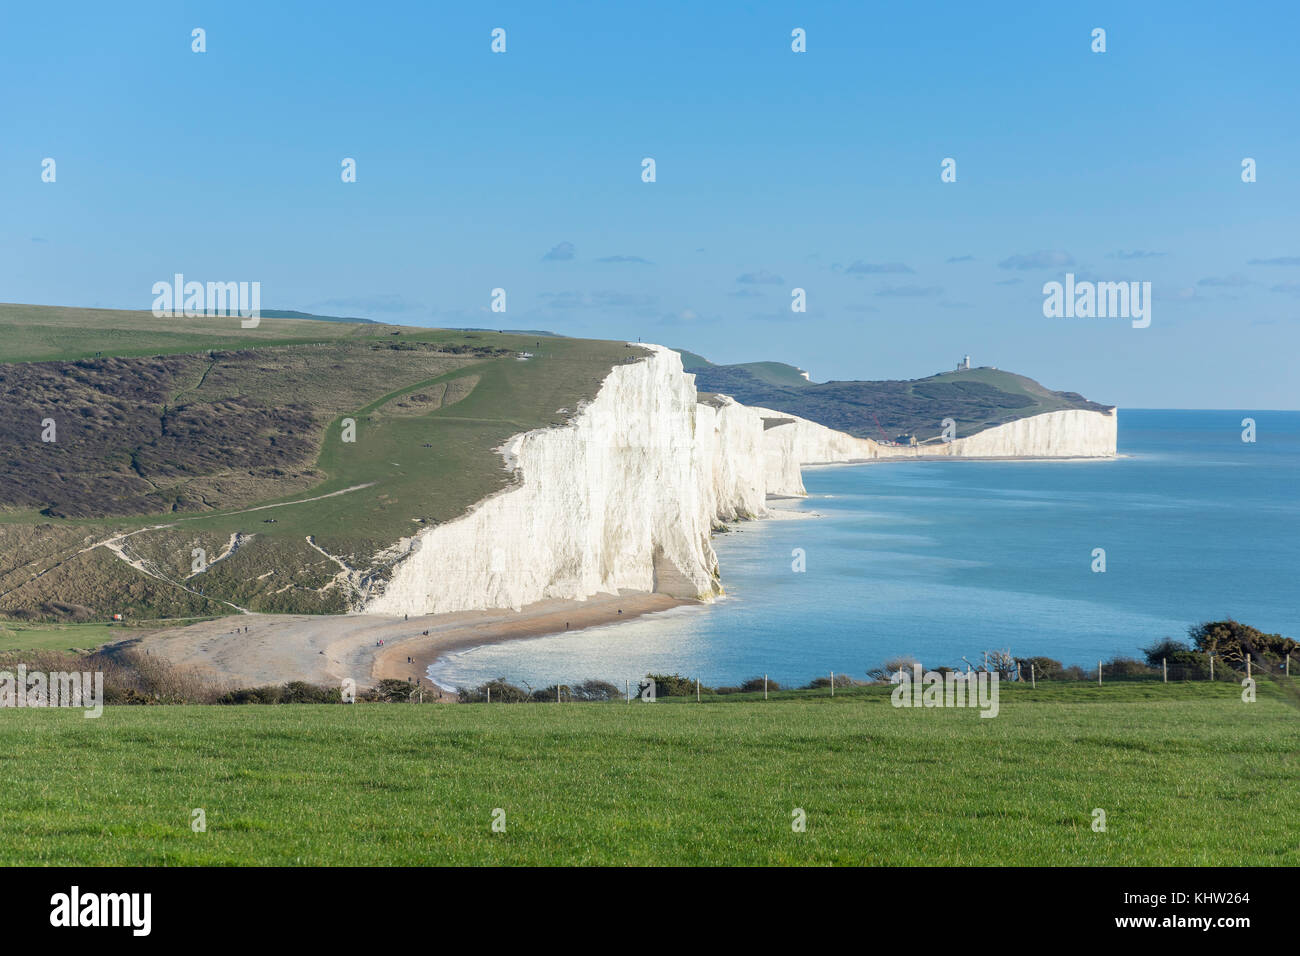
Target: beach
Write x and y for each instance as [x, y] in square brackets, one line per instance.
[250, 650]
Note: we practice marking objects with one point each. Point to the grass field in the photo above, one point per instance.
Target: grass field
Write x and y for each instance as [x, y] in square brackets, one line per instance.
[17, 636]
[1187, 774]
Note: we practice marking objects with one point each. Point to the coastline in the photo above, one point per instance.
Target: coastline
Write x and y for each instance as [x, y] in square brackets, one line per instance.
[537, 620]
[251, 650]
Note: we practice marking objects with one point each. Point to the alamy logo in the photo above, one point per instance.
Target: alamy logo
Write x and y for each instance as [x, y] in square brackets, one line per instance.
[1101, 300]
[53, 689]
[134, 910]
[948, 689]
[192, 299]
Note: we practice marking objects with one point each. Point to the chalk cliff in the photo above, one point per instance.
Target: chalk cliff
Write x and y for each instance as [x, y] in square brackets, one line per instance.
[625, 495]
[790, 442]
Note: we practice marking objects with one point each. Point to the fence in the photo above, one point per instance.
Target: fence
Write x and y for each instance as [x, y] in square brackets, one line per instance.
[1023, 672]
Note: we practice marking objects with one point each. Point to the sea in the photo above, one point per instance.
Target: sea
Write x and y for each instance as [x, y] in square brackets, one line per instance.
[942, 561]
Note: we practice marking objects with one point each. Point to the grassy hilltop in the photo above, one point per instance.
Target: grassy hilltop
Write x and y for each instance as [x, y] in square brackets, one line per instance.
[1187, 774]
[176, 428]
[975, 399]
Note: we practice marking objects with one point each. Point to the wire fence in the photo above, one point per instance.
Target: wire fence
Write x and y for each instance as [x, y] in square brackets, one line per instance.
[1024, 672]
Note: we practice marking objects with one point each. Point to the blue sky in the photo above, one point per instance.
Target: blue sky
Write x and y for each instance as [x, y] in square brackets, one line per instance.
[775, 170]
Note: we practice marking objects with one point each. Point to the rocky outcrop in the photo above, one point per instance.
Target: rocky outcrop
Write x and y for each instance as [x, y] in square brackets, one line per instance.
[626, 494]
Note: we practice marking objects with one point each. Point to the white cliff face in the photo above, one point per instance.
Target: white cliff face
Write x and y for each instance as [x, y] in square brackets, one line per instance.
[731, 450]
[626, 494]
[1073, 433]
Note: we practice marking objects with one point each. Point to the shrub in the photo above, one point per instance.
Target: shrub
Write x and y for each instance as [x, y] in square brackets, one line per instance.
[1184, 663]
[1044, 668]
[821, 683]
[300, 692]
[251, 695]
[596, 690]
[1120, 668]
[502, 693]
[756, 684]
[588, 690]
[891, 667]
[392, 691]
[672, 685]
[1231, 641]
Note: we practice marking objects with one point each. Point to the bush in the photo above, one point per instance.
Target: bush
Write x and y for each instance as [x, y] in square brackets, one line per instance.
[300, 692]
[1184, 663]
[1121, 668]
[756, 684]
[1230, 641]
[1044, 668]
[501, 693]
[588, 690]
[673, 685]
[251, 695]
[822, 683]
[390, 691]
[887, 670]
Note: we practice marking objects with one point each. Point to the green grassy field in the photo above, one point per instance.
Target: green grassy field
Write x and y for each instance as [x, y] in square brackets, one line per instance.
[17, 636]
[1187, 774]
[44, 333]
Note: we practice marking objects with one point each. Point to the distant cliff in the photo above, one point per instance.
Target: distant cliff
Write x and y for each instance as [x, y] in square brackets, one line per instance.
[975, 399]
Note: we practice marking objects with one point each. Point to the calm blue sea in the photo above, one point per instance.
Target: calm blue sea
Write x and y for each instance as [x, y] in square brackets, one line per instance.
[943, 559]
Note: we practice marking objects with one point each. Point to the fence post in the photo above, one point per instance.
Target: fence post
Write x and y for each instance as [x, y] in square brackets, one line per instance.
[489, 700]
[557, 693]
[833, 682]
[1211, 667]
[1033, 677]
[765, 687]
[627, 687]
[1248, 664]
[1017, 671]
[697, 690]
[1099, 673]
[1164, 664]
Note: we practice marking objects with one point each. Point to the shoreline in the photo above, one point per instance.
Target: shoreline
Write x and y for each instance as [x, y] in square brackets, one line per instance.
[251, 650]
[537, 620]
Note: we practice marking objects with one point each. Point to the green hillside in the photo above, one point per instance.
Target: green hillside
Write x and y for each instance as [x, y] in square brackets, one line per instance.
[975, 399]
[177, 428]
